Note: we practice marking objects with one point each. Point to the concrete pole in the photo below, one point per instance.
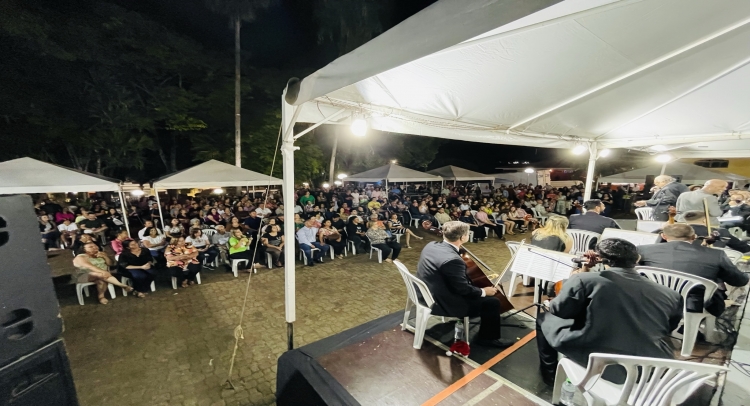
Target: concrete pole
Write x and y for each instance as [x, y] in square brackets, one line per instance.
[288, 118]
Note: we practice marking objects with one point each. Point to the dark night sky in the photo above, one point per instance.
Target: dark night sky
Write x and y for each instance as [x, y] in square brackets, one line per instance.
[285, 36]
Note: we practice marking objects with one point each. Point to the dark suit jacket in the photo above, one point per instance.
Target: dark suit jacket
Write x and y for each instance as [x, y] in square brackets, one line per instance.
[591, 221]
[727, 239]
[696, 260]
[665, 197]
[614, 311]
[444, 272]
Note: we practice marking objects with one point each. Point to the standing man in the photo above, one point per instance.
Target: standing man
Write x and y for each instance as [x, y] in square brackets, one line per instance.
[442, 269]
[669, 191]
[689, 201]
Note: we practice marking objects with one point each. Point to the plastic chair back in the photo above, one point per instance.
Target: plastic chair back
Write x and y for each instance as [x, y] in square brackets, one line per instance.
[412, 284]
[513, 246]
[680, 282]
[663, 382]
[582, 240]
[209, 232]
[645, 213]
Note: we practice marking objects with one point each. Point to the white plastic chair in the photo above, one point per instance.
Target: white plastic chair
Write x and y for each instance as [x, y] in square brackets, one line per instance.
[269, 260]
[542, 219]
[379, 251]
[423, 312]
[645, 213]
[126, 281]
[663, 382]
[682, 283]
[208, 232]
[82, 288]
[581, 240]
[734, 256]
[302, 255]
[236, 263]
[197, 279]
[513, 247]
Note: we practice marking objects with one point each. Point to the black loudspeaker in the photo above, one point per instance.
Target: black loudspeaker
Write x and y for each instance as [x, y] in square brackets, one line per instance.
[40, 378]
[29, 312]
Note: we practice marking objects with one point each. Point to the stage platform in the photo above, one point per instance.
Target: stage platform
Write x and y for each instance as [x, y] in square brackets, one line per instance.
[375, 364]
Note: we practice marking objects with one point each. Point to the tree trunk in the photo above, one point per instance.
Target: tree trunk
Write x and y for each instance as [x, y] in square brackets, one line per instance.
[237, 121]
[332, 167]
[99, 165]
[163, 158]
[173, 155]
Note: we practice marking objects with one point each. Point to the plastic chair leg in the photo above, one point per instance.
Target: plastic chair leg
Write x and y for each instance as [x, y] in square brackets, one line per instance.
[407, 312]
[79, 293]
[692, 325]
[712, 335]
[153, 286]
[420, 326]
[111, 290]
[512, 287]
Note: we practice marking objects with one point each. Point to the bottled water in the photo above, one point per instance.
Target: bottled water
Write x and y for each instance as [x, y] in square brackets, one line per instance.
[567, 394]
[459, 331]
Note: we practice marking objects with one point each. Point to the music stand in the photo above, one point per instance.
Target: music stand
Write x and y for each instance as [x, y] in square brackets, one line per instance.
[544, 266]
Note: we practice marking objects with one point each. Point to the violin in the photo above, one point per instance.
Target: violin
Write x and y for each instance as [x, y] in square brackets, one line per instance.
[672, 212]
[585, 262]
[480, 280]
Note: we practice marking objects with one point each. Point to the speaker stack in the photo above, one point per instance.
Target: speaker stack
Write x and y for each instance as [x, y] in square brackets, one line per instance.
[34, 367]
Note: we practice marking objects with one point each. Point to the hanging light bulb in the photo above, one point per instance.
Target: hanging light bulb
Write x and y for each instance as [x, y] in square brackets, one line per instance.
[605, 153]
[359, 127]
[579, 149]
[218, 191]
[326, 186]
[663, 158]
[137, 192]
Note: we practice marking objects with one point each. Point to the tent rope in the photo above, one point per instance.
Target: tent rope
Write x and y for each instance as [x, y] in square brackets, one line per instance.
[238, 332]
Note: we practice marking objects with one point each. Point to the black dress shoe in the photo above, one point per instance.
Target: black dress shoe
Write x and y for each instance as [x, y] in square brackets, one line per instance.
[498, 342]
[547, 377]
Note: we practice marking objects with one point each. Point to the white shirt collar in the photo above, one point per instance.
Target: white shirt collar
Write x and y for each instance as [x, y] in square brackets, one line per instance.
[457, 248]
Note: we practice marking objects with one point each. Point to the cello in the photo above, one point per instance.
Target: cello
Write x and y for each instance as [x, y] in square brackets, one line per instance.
[480, 280]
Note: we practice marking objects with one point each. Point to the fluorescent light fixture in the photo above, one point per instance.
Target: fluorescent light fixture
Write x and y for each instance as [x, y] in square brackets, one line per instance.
[663, 158]
[579, 149]
[337, 183]
[342, 176]
[218, 191]
[359, 127]
[326, 186]
[529, 170]
[605, 153]
[137, 192]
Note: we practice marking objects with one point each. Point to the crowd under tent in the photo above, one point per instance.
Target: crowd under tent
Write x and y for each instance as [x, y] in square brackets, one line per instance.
[212, 174]
[584, 75]
[688, 174]
[457, 174]
[393, 173]
[28, 175]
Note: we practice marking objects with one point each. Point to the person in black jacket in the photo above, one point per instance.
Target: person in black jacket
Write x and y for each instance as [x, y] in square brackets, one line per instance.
[592, 220]
[697, 220]
[679, 254]
[615, 311]
[444, 272]
[355, 231]
[667, 196]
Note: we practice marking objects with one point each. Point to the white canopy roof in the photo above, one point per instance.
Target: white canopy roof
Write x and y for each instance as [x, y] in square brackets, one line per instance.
[393, 173]
[212, 174]
[27, 175]
[451, 172]
[550, 73]
[691, 174]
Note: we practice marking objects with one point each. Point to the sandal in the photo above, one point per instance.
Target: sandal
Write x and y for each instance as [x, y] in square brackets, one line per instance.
[279, 264]
[408, 246]
[139, 294]
[130, 289]
[388, 260]
[184, 283]
[103, 300]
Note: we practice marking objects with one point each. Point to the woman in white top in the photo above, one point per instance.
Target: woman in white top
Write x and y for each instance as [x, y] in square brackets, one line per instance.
[154, 241]
[201, 242]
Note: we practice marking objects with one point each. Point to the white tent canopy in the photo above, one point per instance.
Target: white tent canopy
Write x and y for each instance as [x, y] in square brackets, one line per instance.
[213, 174]
[393, 173]
[515, 178]
[691, 174]
[27, 175]
[455, 173]
[580, 73]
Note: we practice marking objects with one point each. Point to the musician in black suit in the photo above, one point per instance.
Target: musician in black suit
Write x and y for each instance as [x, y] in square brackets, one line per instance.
[669, 191]
[592, 220]
[442, 269]
[615, 311]
[679, 254]
[697, 220]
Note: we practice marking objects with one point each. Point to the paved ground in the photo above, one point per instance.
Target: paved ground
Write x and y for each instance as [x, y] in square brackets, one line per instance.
[174, 347]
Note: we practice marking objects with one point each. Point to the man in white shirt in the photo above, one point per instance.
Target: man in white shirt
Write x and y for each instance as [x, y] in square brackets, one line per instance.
[307, 236]
[263, 211]
[68, 231]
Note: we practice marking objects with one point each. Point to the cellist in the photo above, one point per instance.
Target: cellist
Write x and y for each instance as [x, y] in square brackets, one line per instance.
[444, 271]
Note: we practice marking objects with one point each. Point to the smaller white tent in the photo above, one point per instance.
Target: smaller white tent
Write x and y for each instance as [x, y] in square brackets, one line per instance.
[691, 174]
[457, 174]
[28, 175]
[514, 178]
[213, 174]
[393, 173]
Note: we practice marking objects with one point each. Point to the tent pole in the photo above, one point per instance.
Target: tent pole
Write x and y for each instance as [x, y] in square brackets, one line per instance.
[124, 211]
[289, 116]
[158, 203]
[590, 171]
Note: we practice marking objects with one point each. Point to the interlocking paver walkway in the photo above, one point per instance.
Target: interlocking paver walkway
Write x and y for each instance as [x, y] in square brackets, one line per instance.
[174, 347]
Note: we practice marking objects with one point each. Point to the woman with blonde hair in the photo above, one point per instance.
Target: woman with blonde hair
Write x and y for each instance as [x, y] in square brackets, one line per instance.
[553, 236]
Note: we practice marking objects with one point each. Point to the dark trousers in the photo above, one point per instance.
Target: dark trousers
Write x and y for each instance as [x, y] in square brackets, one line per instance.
[388, 248]
[488, 310]
[276, 255]
[498, 228]
[547, 354]
[338, 246]
[189, 273]
[360, 243]
[141, 278]
[479, 232]
[209, 255]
